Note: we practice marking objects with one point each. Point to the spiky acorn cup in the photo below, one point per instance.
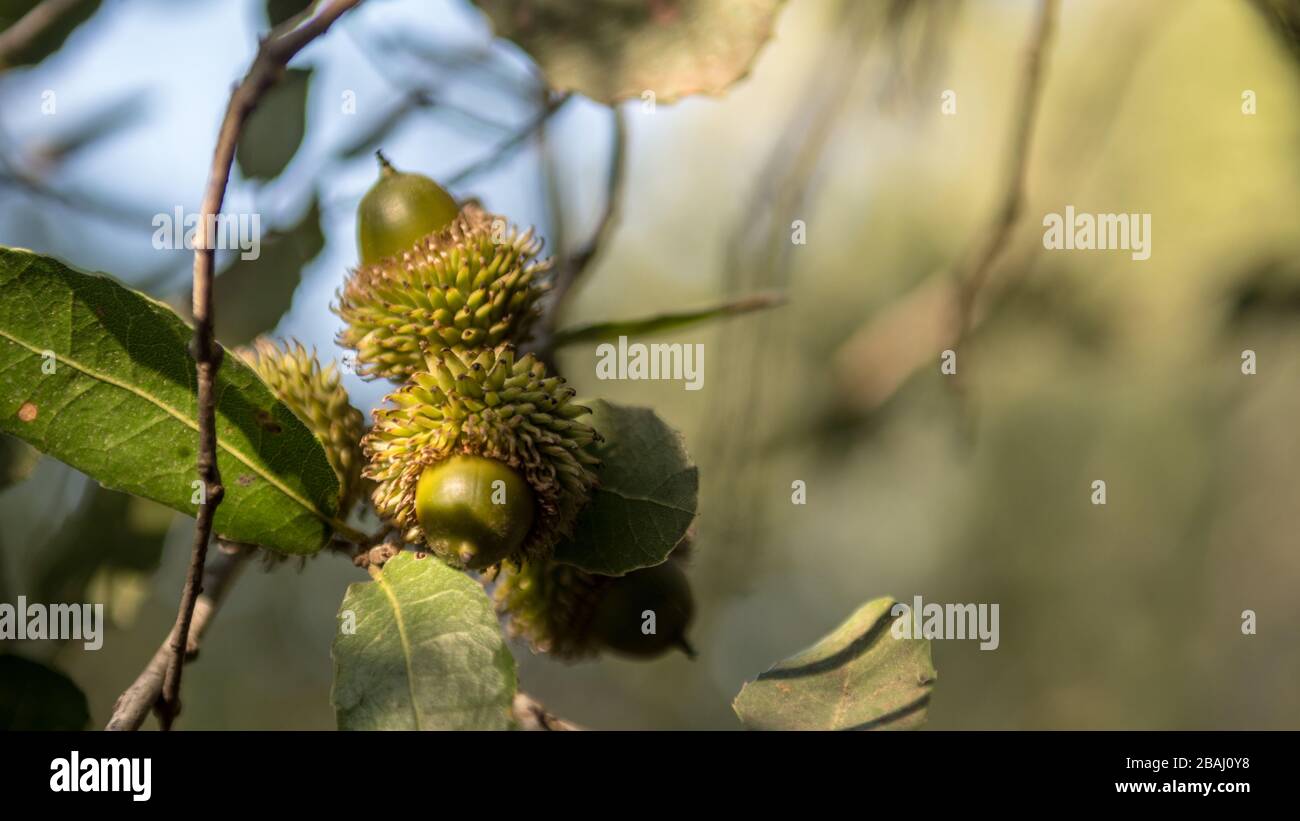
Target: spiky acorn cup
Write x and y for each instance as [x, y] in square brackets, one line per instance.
[570, 614]
[469, 279]
[472, 418]
[315, 396]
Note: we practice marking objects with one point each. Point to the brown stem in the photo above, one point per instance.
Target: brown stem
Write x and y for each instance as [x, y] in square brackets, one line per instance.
[30, 26]
[273, 55]
[135, 703]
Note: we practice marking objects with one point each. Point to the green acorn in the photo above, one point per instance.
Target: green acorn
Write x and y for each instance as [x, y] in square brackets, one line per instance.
[433, 277]
[570, 614]
[316, 397]
[478, 442]
[398, 211]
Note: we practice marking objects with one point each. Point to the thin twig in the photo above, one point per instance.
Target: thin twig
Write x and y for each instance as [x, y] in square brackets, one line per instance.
[268, 66]
[142, 696]
[531, 715]
[30, 26]
[615, 180]
[971, 276]
[510, 145]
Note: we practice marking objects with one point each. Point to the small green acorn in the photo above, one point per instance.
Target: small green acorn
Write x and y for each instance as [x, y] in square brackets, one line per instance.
[316, 397]
[517, 426]
[658, 596]
[434, 276]
[571, 614]
[398, 210]
[477, 509]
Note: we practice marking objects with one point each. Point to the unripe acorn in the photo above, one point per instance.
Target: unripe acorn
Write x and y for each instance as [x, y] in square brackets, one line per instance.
[398, 210]
[570, 613]
[435, 277]
[622, 611]
[477, 509]
[471, 418]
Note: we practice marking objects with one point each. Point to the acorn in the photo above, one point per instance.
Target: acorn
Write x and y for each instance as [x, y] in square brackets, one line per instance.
[434, 276]
[571, 614]
[482, 457]
[623, 617]
[315, 396]
[398, 210]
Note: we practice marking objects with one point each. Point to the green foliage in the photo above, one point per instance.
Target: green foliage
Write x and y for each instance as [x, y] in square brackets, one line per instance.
[278, 11]
[426, 652]
[646, 499]
[34, 697]
[100, 377]
[618, 49]
[275, 128]
[859, 677]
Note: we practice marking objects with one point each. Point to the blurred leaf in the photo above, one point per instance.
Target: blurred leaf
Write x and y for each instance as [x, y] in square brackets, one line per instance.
[613, 50]
[859, 677]
[34, 697]
[664, 322]
[252, 295]
[646, 499]
[278, 11]
[16, 460]
[125, 538]
[426, 652]
[49, 39]
[274, 130]
[120, 405]
[1283, 17]
[101, 122]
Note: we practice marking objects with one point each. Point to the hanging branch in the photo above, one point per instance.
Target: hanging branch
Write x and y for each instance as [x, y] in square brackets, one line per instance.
[273, 55]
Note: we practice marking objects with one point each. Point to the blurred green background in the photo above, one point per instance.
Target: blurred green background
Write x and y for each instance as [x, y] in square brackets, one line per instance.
[1082, 366]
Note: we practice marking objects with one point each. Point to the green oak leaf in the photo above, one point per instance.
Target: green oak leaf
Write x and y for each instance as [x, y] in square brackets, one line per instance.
[612, 50]
[34, 697]
[275, 128]
[419, 648]
[646, 500]
[859, 677]
[100, 377]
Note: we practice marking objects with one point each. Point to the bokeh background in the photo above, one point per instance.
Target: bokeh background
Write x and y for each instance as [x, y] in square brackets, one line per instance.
[1080, 366]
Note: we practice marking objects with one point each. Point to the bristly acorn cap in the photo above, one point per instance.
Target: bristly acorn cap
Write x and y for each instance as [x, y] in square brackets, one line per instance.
[315, 396]
[485, 403]
[552, 605]
[474, 284]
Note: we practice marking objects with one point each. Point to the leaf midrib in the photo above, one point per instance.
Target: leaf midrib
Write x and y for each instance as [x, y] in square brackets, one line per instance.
[193, 425]
[404, 639]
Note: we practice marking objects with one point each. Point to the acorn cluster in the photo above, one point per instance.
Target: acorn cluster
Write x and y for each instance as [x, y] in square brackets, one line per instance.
[480, 453]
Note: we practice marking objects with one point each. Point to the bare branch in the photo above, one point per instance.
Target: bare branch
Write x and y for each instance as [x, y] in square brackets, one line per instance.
[972, 275]
[143, 695]
[511, 144]
[268, 66]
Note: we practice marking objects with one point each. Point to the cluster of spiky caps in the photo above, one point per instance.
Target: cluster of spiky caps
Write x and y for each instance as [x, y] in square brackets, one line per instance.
[473, 284]
[491, 403]
[315, 396]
